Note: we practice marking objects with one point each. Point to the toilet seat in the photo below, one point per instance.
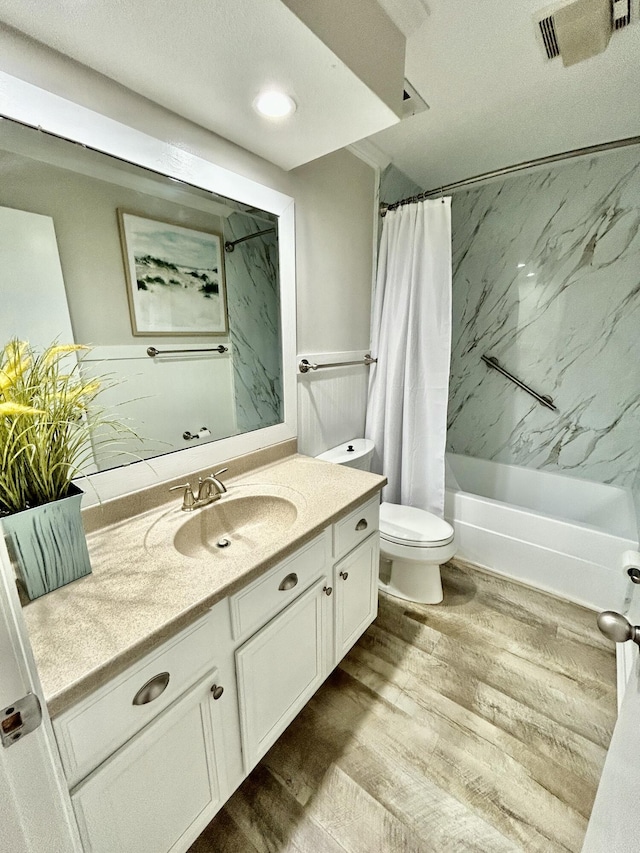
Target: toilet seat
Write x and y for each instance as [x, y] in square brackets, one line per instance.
[408, 525]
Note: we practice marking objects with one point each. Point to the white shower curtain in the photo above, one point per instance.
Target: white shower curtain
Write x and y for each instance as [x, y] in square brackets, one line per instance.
[411, 338]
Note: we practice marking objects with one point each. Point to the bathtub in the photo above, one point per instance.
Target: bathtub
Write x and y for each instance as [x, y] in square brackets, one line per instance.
[558, 533]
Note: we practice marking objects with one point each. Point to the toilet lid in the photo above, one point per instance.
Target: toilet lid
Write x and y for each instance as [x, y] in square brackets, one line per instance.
[407, 525]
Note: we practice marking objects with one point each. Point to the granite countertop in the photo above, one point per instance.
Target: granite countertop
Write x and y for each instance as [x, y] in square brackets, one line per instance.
[142, 590]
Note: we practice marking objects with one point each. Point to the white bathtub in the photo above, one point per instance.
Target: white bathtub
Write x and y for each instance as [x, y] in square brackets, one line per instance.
[558, 533]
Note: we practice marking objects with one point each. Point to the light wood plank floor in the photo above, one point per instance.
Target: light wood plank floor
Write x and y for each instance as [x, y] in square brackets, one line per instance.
[480, 724]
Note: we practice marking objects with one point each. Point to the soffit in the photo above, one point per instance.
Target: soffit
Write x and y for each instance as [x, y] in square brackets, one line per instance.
[208, 61]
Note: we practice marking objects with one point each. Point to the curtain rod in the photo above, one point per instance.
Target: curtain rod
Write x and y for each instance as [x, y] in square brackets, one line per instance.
[507, 170]
[230, 245]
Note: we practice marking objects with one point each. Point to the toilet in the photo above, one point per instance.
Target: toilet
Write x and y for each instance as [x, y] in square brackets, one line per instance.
[413, 541]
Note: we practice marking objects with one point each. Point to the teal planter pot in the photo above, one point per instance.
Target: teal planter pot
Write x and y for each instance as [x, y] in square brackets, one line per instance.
[47, 544]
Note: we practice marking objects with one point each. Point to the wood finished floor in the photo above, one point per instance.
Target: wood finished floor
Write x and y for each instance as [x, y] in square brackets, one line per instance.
[480, 724]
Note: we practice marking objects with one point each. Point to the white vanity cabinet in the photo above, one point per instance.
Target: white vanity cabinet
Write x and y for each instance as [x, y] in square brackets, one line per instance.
[354, 528]
[158, 792]
[153, 754]
[356, 594]
[356, 556]
[96, 727]
[281, 667]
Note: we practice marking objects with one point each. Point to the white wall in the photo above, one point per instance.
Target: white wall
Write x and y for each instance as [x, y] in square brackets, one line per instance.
[334, 196]
[83, 210]
[334, 297]
[334, 234]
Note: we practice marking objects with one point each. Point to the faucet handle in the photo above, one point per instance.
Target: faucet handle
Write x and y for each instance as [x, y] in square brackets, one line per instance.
[189, 500]
[221, 471]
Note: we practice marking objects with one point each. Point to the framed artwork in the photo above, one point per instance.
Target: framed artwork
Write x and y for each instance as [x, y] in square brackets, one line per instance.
[175, 277]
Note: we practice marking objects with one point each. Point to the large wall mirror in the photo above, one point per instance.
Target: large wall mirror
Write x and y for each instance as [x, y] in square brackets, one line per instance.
[178, 289]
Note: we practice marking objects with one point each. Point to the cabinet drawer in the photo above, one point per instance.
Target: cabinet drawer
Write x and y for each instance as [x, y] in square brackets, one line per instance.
[355, 528]
[258, 602]
[94, 728]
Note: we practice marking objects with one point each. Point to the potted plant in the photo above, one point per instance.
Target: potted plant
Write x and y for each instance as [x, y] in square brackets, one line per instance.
[46, 439]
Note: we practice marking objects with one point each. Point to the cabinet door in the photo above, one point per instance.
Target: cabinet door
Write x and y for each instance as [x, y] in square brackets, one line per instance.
[356, 591]
[280, 668]
[159, 791]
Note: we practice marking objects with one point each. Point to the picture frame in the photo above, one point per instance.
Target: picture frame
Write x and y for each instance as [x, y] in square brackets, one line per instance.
[175, 277]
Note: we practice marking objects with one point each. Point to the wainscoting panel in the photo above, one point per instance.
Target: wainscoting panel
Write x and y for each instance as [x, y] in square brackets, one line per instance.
[331, 402]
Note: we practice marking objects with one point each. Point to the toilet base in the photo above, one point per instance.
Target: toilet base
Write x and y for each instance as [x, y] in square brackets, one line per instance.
[412, 581]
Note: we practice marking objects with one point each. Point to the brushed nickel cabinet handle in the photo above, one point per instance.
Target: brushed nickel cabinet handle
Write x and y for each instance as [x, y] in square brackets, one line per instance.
[344, 575]
[152, 689]
[327, 590]
[362, 524]
[289, 582]
[217, 691]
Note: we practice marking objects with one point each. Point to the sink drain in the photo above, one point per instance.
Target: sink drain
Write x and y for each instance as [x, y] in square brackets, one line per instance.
[223, 543]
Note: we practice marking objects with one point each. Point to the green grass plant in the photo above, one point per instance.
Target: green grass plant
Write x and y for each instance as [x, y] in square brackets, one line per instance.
[50, 423]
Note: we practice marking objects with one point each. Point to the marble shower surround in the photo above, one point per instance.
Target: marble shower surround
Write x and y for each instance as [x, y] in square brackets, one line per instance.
[253, 299]
[567, 322]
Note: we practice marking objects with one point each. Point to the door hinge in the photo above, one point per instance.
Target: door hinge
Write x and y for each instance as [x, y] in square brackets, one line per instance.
[19, 719]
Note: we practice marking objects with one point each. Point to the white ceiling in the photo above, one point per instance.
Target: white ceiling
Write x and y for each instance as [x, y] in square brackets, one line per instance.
[207, 60]
[495, 100]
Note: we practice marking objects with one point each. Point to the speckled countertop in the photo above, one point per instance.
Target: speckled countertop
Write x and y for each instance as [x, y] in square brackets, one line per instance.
[142, 590]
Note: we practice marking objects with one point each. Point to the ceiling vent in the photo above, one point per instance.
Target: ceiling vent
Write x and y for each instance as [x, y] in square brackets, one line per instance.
[621, 11]
[582, 28]
[412, 102]
[549, 40]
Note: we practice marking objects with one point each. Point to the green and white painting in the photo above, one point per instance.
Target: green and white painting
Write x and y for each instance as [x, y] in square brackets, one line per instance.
[175, 278]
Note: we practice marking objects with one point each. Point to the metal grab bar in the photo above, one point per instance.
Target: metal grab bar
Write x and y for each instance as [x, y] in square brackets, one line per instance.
[152, 352]
[304, 366]
[543, 400]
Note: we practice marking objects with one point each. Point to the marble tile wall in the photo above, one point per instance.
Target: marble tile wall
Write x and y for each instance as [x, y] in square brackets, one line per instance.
[546, 278]
[253, 298]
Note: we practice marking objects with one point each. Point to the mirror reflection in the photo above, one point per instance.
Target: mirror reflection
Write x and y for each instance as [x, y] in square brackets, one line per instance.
[175, 288]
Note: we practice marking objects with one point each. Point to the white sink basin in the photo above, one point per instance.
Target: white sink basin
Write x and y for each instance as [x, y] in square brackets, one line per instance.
[249, 521]
[245, 519]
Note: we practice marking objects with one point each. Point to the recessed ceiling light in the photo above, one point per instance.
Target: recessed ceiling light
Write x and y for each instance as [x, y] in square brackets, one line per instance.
[274, 104]
[521, 265]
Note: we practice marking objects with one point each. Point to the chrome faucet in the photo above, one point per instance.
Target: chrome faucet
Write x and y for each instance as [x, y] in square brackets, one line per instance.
[209, 490]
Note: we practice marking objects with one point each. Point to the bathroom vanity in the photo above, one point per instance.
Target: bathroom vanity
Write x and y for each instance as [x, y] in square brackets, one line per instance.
[219, 660]
[165, 696]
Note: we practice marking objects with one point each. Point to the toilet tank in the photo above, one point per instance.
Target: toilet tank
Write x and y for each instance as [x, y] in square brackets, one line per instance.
[356, 453]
